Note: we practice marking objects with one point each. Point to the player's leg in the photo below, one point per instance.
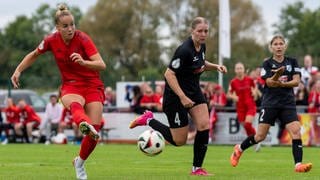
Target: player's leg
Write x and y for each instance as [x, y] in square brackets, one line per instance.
[200, 117]
[294, 130]
[29, 128]
[248, 125]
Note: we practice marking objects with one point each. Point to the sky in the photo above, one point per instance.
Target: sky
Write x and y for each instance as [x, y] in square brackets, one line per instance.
[9, 9]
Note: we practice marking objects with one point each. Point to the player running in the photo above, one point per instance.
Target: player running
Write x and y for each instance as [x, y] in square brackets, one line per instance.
[281, 74]
[183, 96]
[242, 91]
[82, 91]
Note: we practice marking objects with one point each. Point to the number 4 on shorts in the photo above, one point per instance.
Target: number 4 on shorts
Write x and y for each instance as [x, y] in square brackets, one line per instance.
[177, 119]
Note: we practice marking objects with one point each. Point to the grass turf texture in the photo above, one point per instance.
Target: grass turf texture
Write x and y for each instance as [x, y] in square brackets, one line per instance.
[111, 161]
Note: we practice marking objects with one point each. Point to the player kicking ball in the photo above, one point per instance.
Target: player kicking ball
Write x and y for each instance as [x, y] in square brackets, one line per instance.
[281, 74]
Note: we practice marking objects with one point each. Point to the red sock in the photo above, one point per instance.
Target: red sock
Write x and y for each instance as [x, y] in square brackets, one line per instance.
[78, 113]
[88, 144]
[249, 129]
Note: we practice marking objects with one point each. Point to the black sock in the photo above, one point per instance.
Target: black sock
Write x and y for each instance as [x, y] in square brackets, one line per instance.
[163, 129]
[248, 142]
[200, 147]
[297, 150]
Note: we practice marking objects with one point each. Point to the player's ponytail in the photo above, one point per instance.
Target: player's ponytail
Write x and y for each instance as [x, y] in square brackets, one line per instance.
[62, 11]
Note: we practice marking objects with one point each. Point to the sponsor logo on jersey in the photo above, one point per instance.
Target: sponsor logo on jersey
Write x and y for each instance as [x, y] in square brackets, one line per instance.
[41, 45]
[263, 72]
[176, 63]
[274, 66]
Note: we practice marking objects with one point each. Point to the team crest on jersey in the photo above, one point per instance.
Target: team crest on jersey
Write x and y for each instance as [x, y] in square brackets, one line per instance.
[176, 63]
[41, 45]
[274, 66]
[289, 68]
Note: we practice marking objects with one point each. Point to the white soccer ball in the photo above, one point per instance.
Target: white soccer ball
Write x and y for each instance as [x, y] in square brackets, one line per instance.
[60, 138]
[151, 142]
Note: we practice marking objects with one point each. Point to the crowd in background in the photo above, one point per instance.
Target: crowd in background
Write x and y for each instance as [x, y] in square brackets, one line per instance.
[22, 119]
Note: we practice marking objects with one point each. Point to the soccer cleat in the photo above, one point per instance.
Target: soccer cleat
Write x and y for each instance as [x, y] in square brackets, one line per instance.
[303, 167]
[80, 170]
[257, 147]
[141, 120]
[200, 172]
[88, 129]
[235, 156]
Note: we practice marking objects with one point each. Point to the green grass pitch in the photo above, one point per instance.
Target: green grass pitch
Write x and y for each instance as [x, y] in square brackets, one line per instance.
[112, 161]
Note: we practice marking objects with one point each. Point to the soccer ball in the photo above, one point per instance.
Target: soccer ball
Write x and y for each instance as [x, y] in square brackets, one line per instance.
[151, 142]
[60, 138]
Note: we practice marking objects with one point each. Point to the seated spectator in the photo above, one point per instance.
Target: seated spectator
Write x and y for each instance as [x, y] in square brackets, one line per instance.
[314, 98]
[67, 122]
[135, 100]
[159, 95]
[149, 100]
[110, 97]
[12, 117]
[52, 118]
[29, 121]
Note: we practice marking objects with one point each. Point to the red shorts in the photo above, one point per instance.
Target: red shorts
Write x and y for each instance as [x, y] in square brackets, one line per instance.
[246, 110]
[91, 92]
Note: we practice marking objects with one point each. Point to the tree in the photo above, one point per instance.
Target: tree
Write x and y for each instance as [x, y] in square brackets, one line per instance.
[301, 27]
[126, 35]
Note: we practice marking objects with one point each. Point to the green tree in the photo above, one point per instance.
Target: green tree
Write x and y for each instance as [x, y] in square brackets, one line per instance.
[126, 35]
[300, 26]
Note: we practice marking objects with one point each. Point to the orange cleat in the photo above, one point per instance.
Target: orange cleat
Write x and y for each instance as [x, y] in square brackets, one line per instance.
[303, 167]
[235, 156]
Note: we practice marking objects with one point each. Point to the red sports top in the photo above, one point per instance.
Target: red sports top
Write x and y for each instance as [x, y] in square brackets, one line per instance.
[12, 114]
[29, 115]
[70, 71]
[242, 88]
[150, 99]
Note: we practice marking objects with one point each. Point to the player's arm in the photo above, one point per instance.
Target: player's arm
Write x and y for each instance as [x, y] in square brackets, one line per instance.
[27, 61]
[273, 81]
[232, 95]
[174, 85]
[293, 83]
[210, 66]
[95, 63]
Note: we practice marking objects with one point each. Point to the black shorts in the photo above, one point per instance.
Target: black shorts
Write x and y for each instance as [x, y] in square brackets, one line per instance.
[177, 114]
[285, 115]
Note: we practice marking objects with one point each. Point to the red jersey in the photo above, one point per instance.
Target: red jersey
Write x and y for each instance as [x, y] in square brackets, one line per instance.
[314, 97]
[12, 114]
[29, 115]
[150, 99]
[242, 88]
[220, 99]
[70, 71]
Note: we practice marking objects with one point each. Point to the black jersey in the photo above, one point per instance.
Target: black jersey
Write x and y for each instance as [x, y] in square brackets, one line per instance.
[188, 64]
[280, 96]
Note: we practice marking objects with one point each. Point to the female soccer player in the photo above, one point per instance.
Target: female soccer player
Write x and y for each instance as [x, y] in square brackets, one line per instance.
[281, 74]
[182, 95]
[82, 91]
[241, 91]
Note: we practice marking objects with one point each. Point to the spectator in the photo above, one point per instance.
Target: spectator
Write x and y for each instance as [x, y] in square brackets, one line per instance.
[217, 100]
[159, 95]
[307, 70]
[149, 100]
[110, 99]
[67, 122]
[30, 120]
[314, 98]
[52, 118]
[135, 100]
[13, 118]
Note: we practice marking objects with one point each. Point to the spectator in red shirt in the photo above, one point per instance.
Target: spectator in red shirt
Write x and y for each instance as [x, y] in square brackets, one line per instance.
[241, 89]
[314, 98]
[149, 100]
[12, 117]
[82, 90]
[29, 120]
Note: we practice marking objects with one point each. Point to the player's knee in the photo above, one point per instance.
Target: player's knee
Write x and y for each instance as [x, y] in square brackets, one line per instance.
[179, 143]
[260, 137]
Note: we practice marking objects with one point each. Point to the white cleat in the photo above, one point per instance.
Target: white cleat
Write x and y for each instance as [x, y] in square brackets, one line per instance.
[5, 141]
[257, 147]
[88, 129]
[79, 168]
